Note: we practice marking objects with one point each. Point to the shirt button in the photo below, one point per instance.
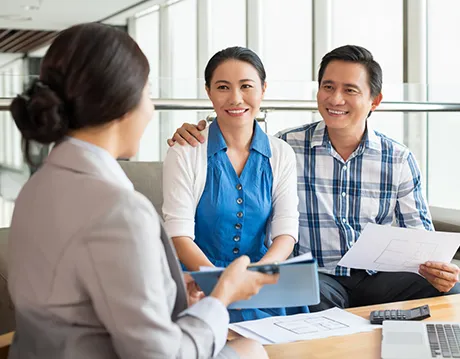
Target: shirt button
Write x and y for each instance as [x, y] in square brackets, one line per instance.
[344, 194]
[344, 220]
[239, 200]
[238, 226]
[239, 187]
[345, 168]
[236, 250]
[236, 238]
[239, 214]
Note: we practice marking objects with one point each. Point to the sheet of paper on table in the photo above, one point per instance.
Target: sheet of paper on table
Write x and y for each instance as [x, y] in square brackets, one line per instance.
[328, 323]
[395, 249]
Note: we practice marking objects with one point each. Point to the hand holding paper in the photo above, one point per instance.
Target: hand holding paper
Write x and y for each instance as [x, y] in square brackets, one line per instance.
[443, 276]
[393, 249]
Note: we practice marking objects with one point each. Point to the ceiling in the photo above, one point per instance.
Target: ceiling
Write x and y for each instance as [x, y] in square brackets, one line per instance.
[26, 25]
[23, 41]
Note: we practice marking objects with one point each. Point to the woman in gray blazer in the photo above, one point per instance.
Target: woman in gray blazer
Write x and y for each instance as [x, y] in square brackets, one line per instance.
[92, 273]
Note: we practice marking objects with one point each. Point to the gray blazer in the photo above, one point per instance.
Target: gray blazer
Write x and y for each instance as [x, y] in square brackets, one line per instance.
[93, 275]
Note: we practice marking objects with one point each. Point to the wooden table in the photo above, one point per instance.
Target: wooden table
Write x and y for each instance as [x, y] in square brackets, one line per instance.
[5, 341]
[363, 345]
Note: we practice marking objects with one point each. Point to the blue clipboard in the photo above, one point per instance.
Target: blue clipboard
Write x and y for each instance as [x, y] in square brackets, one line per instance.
[298, 285]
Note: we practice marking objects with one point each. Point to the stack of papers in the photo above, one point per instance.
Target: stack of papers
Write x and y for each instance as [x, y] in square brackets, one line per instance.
[328, 323]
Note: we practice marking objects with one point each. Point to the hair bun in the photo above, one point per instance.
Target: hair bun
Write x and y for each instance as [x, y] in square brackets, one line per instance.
[40, 114]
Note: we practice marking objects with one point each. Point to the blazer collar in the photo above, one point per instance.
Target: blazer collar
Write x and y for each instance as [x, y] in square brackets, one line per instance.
[89, 159]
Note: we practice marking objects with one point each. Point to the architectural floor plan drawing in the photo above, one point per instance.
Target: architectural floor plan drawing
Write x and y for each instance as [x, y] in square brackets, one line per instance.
[406, 253]
[327, 323]
[311, 325]
[393, 249]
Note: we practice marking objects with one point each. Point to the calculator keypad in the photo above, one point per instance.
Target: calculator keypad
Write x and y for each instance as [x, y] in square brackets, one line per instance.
[378, 316]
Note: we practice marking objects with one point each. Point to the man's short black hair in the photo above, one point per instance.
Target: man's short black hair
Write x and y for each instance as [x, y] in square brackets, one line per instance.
[359, 55]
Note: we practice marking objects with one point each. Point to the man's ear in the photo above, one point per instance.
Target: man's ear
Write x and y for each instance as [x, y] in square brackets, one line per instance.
[376, 101]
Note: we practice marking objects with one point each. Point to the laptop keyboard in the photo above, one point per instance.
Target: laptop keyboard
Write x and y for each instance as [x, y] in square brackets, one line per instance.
[444, 340]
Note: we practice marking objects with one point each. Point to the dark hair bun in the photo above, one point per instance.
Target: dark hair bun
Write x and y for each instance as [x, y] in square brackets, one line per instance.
[40, 114]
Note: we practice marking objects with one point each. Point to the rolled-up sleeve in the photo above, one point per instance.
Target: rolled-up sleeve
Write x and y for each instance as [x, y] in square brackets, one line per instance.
[178, 199]
[285, 219]
[411, 209]
[123, 268]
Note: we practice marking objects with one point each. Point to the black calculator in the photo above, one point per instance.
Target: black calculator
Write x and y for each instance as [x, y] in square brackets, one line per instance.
[419, 313]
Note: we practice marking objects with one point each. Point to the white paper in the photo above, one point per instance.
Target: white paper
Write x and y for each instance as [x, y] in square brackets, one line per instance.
[248, 334]
[394, 249]
[285, 329]
[301, 258]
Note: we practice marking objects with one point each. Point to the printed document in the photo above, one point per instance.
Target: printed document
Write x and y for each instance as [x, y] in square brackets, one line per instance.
[394, 249]
[328, 323]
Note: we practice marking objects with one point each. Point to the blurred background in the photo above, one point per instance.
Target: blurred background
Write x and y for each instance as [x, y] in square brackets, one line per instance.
[413, 40]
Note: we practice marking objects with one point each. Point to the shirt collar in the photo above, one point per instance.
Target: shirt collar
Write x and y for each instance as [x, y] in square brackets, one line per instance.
[370, 139]
[320, 137]
[216, 141]
[260, 141]
[111, 163]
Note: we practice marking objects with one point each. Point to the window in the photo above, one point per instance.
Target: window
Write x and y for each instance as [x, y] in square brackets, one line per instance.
[286, 51]
[228, 25]
[377, 26]
[147, 33]
[443, 128]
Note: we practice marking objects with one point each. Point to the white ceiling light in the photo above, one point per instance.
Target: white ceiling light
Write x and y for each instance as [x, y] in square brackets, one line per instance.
[32, 6]
[15, 17]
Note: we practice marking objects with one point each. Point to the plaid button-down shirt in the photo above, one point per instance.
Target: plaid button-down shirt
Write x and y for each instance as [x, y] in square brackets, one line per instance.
[379, 183]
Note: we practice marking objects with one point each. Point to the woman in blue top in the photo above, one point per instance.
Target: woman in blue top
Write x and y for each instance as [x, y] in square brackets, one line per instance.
[237, 194]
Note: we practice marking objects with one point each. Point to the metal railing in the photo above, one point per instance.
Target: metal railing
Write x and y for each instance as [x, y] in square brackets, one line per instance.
[287, 105]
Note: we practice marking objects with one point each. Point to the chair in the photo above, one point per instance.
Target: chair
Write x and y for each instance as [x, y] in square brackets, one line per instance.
[147, 178]
[7, 323]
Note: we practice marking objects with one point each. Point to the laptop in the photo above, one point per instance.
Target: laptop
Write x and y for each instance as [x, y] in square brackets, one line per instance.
[420, 340]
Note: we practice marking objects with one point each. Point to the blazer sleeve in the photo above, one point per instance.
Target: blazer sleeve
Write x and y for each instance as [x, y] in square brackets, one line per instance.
[285, 218]
[122, 266]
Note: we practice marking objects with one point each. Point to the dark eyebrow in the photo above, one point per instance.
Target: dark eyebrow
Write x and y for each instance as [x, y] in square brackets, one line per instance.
[356, 87]
[330, 82]
[228, 82]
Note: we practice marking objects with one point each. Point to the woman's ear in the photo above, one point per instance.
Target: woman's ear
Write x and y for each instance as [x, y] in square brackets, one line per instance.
[264, 88]
[207, 89]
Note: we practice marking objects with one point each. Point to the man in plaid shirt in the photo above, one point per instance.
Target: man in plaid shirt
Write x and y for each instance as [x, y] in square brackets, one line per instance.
[350, 175]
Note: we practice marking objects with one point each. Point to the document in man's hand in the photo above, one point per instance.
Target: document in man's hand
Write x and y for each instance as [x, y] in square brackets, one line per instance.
[394, 249]
[298, 285]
